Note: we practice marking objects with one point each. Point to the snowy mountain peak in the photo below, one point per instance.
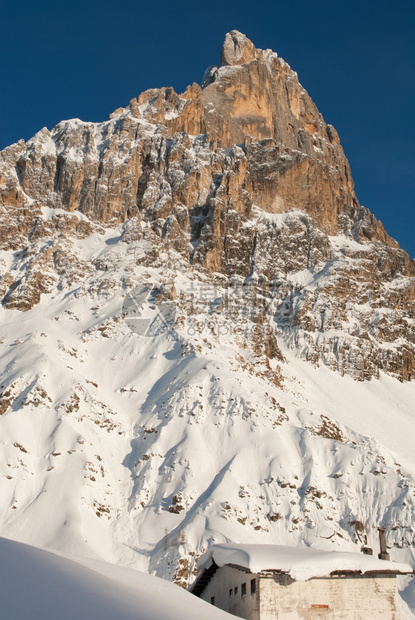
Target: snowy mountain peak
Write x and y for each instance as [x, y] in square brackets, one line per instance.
[204, 336]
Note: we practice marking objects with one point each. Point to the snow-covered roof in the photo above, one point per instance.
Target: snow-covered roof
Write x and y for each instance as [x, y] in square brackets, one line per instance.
[300, 564]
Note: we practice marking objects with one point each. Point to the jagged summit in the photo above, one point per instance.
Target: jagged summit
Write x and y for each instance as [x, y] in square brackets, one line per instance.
[237, 49]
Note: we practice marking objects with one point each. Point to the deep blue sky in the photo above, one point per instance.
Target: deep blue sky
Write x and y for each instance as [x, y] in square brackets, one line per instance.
[84, 58]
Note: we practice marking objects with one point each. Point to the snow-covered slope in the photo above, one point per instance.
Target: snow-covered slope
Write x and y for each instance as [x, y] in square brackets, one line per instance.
[41, 585]
[137, 432]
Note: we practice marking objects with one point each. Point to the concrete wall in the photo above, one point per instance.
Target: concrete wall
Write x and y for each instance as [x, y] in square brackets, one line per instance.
[336, 598]
[226, 579]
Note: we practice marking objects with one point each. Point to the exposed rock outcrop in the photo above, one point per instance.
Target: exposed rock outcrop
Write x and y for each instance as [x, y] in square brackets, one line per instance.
[291, 158]
[195, 168]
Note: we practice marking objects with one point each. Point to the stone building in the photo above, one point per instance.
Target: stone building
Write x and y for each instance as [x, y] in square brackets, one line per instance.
[270, 582]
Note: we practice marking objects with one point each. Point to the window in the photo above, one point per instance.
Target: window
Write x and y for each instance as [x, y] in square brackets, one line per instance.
[253, 586]
[235, 591]
[212, 600]
[231, 592]
[243, 590]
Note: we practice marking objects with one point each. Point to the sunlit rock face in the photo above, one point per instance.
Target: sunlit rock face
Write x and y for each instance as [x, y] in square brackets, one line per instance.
[197, 170]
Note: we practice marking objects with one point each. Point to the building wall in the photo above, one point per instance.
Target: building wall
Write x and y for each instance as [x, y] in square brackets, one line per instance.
[226, 579]
[336, 598]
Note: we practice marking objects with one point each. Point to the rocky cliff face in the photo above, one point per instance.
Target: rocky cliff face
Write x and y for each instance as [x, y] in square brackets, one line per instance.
[197, 167]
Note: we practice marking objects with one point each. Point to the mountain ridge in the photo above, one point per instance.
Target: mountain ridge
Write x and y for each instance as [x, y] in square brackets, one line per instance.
[199, 198]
